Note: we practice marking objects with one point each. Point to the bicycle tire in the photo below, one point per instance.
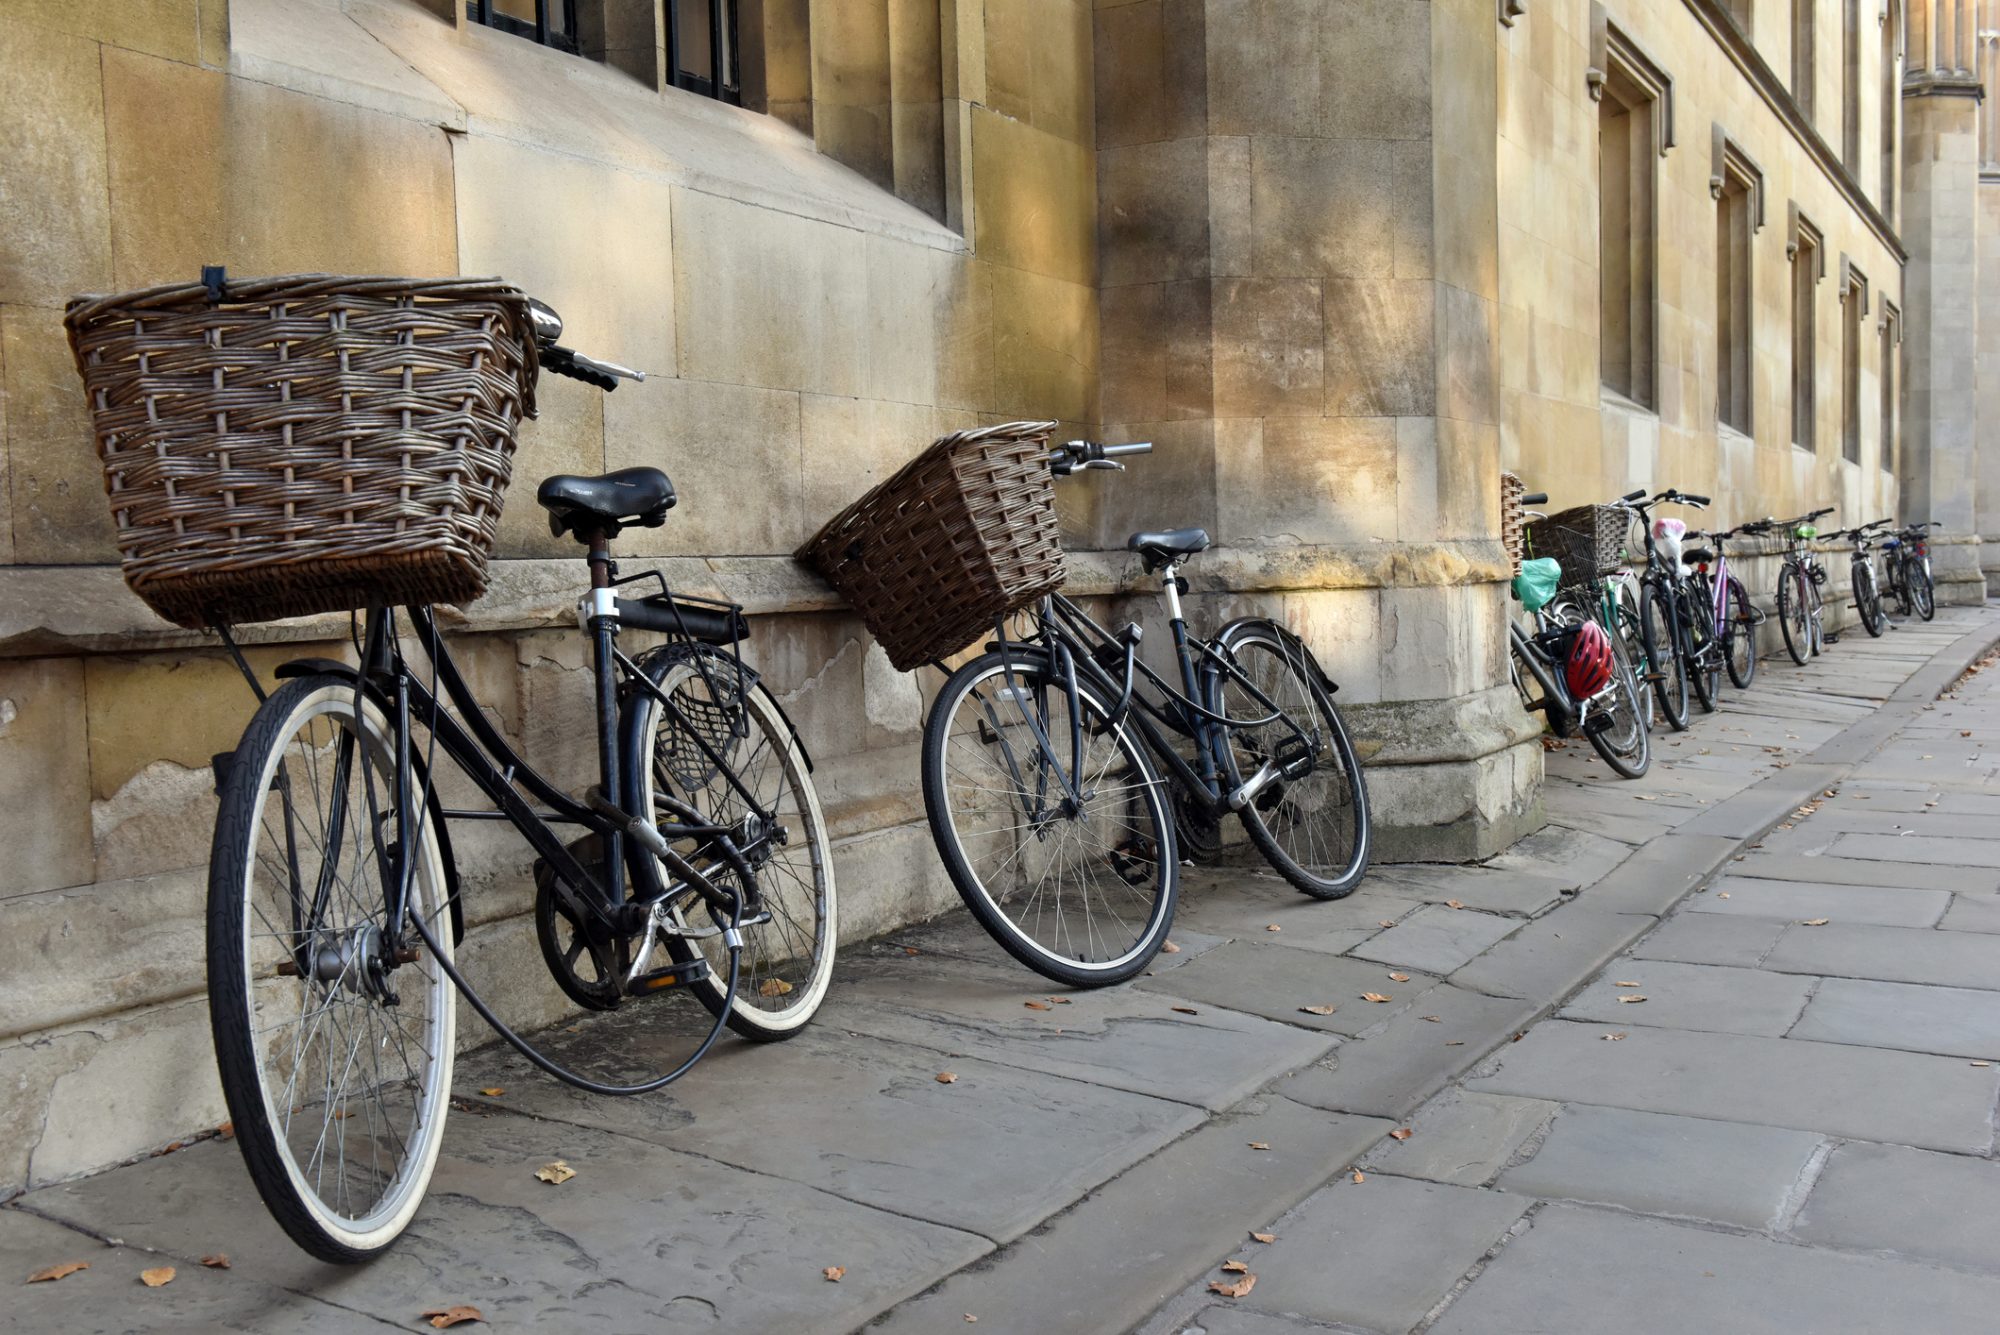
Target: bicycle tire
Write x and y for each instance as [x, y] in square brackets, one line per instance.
[1661, 631]
[775, 997]
[1868, 601]
[1634, 757]
[1739, 645]
[1701, 652]
[1793, 613]
[1286, 807]
[244, 980]
[1923, 590]
[1149, 844]
[1626, 609]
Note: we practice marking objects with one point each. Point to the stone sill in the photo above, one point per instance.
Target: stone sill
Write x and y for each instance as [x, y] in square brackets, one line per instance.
[62, 610]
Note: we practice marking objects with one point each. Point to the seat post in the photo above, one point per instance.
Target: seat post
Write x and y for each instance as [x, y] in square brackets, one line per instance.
[601, 571]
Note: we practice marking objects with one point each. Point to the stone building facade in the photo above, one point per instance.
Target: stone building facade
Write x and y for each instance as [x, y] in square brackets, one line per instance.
[1342, 260]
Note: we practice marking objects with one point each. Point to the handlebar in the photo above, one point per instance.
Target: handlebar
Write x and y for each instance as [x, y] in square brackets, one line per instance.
[559, 360]
[1070, 456]
[1535, 498]
[1638, 495]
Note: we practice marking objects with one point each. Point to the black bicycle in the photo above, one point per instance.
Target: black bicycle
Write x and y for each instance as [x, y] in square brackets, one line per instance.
[700, 862]
[1906, 559]
[1862, 584]
[1043, 760]
[1677, 625]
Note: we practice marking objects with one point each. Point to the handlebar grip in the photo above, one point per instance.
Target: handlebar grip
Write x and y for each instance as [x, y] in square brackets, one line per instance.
[1638, 495]
[1696, 500]
[1136, 447]
[1535, 498]
[558, 360]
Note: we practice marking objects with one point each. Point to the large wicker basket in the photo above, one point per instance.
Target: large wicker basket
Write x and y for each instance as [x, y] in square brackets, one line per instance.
[1511, 490]
[305, 444]
[962, 534]
[1589, 540]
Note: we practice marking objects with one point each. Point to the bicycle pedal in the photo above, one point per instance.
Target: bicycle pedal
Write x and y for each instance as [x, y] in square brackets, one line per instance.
[674, 975]
[1596, 723]
[1293, 757]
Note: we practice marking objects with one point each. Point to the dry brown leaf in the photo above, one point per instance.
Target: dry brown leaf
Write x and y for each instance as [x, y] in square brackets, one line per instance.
[456, 1315]
[773, 987]
[219, 1261]
[1258, 1145]
[834, 1272]
[1434, 1019]
[1319, 1010]
[58, 1271]
[911, 950]
[1628, 984]
[1982, 1063]
[970, 1317]
[1185, 1010]
[1723, 895]
[1236, 1290]
[947, 1077]
[555, 1174]
[226, 1130]
[1059, 1001]
[1235, 1268]
[1401, 1133]
[1611, 1038]
[1038, 1005]
[494, 1092]
[1814, 922]
[1374, 996]
[1399, 978]
[1274, 928]
[1454, 1042]
[1265, 1237]
[1359, 1176]
[1631, 999]
[1454, 904]
[158, 1275]
[1387, 922]
[1170, 949]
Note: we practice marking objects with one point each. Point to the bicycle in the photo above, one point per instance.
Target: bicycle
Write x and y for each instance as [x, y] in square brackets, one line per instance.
[1907, 560]
[1800, 575]
[1735, 618]
[1861, 578]
[333, 901]
[1681, 647]
[1043, 760]
[1610, 717]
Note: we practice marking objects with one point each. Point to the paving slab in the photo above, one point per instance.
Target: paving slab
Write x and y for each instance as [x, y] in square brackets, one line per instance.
[1490, 889]
[1881, 906]
[1634, 829]
[1937, 1102]
[1972, 913]
[1956, 1021]
[1462, 1138]
[1827, 870]
[1662, 873]
[1215, 1319]
[864, 1119]
[1702, 938]
[1941, 1207]
[1128, 1247]
[1656, 1163]
[1378, 1254]
[1552, 954]
[1275, 981]
[1118, 1037]
[642, 1237]
[1390, 1071]
[1895, 954]
[1923, 821]
[1578, 857]
[1764, 804]
[1243, 908]
[1580, 1271]
[1970, 804]
[1929, 850]
[1437, 939]
[1693, 996]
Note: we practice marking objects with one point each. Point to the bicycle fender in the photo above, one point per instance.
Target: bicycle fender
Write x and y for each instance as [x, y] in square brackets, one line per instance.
[1226, 637]
[751, 677]
[333, 667]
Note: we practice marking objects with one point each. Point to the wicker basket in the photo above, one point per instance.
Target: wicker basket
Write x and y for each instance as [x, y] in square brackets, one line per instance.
[305, 444]
[962, 534]
[1589, 540]
[1511, 490]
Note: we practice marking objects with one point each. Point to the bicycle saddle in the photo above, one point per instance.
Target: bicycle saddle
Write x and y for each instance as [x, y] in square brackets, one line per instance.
[627, 498]
[1697, 556]
[1169, 547]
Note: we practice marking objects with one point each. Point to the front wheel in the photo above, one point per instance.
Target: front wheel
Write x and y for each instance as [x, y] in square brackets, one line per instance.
[1868, 600]
[334, 1028]
[1661, 633]
[1922, 591]
[1795, 613]
[1080, 893]
[1704, 655]
[1627, 744]
[1312, 829]
[1739, 636]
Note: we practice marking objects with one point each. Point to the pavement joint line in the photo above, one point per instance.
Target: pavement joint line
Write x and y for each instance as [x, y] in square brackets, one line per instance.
[1801, 1190]
[1518, 1228]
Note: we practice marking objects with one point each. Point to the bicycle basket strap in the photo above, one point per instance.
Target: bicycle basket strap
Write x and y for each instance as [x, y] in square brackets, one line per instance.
[1536, 584]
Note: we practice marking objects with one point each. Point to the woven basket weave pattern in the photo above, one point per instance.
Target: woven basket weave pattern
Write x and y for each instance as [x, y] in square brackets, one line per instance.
[308, 444]
[962, 534]
[1589, 540]
[1511, 490]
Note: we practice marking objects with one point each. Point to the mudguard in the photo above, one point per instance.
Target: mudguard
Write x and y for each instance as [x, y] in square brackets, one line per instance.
[1226, 638]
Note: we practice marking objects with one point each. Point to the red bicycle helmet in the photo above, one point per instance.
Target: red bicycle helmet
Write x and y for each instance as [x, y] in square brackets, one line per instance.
[1588, 669]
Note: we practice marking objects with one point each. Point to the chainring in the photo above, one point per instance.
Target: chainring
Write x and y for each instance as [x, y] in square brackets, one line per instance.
[570, 944]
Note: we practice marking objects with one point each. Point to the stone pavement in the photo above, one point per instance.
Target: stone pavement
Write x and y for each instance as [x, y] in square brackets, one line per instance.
[1790, 1132]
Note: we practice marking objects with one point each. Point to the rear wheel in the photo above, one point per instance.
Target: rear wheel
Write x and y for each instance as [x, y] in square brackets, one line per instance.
[1658, 627]
[1704, 655]
[1632, 635]
[1794, 613]
[1922, 591]
[1739, 636]
[1868, 600]
[1626, 745]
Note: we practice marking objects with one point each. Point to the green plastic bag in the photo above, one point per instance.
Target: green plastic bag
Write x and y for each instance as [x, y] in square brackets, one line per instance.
[1536, 584]
[1806, 531]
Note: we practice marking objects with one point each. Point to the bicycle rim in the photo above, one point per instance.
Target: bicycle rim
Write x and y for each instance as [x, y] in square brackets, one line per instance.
[1625, 745]
[1792, 615]
[1670, 687]
[1083, 897]
[1740, 643]
[338, 1095]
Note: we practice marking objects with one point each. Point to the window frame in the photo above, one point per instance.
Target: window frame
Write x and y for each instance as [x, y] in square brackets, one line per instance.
[541, 32]
[1853, 307]
[1805, 248]
[1736, 175]
[1639, 88]
[1891, 386]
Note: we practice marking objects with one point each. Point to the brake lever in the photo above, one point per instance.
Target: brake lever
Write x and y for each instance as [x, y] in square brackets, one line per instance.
[1112, 464]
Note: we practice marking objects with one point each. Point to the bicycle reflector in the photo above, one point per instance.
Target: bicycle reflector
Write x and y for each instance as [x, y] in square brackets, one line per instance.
[1588, 668]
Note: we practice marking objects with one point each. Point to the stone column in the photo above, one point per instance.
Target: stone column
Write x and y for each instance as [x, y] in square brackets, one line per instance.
[1987, 299]
[1940, 210]
[1298, 236]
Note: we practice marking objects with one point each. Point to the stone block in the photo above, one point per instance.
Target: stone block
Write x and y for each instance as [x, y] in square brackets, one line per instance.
[1437, 939]
[1958, 1021]
[1896, 954]
[1174, 486]
[1269, 353]
[1277, 981]
[1300, 187]
[1307, 480]
[861, 137]
[297, 183]
[1375, 70]
[1231, 242]
[1381, 353]
[1156, 352]
[1462, 1138]
[1694, 996]
[1034, 199]
[1440, 642]
[1151, 74]
[1885, 1198]
[1798, 900]
[1264, 67]
[964, 340]
[71, 955]
[1044, 347]
[1387, 1072]
[1153, 212]
[55, 214]
[1552, 954]
[44, 774]
[59, 512]
[1701, 938]
[710, 438]
[567, 436]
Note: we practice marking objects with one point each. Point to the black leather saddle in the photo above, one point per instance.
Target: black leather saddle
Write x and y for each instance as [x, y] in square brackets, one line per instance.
[1169, 547]
[1696, 556]
[586, 506]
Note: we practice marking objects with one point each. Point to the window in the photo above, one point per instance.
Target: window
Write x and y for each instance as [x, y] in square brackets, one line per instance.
[1850, 86]
[1807, 267]
[1891, 380]
[1738, 186]
[702, 37]
[550, 22]
[1853, 306]
[1635, 129]
[1802, 54]
[1892, 86]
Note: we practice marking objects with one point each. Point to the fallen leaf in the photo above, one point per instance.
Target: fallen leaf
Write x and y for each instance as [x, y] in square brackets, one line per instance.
[834, 1272]
[1982, 1063]
[1186, 1010]
[494, 1092]
[219, 1261]
[456, 1315]
[555, 1174]
[1319, 1010]
[1399, 978]
[58, 1271]
[947, 1077]
[1387, 922]
[1236, 1290]
[1235, 1268]
[970, 1317]
[1612, 1038]
[1265, 1237]
[1454, 904]
[1274, 928]
[1814, 922]
[1434, 1019]
[1401, 1133]
[226, 1130]
[1170, 949]
[1646, 797]
[1059, 1001]
[1359, 1176]
[1627, 984]
[1723, 895]
[1454, 1042]
[158, 1275]
[773, 987]
[1374, 996]
[1631, 999]
[1038, 1005]
[1258, 1145]
[910, 950]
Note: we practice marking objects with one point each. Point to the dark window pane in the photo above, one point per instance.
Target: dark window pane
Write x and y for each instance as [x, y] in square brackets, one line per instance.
[692, 39]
